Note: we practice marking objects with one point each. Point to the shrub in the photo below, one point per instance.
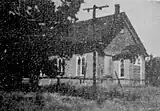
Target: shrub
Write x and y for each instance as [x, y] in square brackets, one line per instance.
[62, 88]
[66, 103]
[18, 101]
[84, 90]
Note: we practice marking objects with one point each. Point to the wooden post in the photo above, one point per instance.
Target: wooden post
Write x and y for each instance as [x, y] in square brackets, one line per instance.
[94, 53]
[119, 82]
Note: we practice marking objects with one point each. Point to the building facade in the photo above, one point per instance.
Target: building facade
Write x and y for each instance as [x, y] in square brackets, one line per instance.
[120, 53]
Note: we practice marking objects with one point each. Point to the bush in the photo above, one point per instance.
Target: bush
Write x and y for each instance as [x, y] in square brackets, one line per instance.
[18, 101]
[84, 91]
[62, 88]
[66, 103]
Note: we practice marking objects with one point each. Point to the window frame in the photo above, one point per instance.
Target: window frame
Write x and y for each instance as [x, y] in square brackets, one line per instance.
[81, 65]
[122, 31]
[60, 67]
[120, 68]
[138, 61]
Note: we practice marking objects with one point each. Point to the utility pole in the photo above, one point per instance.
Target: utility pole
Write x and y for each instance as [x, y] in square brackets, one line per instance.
[94, 53]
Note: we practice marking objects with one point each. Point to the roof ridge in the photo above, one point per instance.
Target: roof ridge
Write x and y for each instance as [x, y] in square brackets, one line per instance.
[100, 17]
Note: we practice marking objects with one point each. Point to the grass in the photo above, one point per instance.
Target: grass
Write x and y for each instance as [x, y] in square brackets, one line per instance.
[79, 98]
[134, 99]
[67, 103]
[18, 101]
[116, 99]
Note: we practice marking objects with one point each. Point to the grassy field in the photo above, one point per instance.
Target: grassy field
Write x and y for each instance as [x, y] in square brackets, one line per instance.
[79, 98]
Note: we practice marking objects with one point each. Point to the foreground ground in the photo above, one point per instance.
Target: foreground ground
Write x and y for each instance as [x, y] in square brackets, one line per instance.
[129, 99]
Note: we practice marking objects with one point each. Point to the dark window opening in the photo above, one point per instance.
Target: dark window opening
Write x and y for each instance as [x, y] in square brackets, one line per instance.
[122, 68]
[83, 66]
[79, 66]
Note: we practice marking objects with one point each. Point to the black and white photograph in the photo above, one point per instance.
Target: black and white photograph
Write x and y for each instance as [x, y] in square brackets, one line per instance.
[79, 55]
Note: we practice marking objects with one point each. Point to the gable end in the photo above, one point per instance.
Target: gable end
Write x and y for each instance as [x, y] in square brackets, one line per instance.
[132, 31]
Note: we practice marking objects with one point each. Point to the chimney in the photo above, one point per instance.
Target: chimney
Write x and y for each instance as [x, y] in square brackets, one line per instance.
[117, 8]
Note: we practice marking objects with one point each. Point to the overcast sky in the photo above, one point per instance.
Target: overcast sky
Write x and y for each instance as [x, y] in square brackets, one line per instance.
[143, 14]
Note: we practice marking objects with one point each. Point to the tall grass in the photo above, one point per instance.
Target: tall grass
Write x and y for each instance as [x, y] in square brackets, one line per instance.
[127, 98]
[66, 103]
[43, 102]
[83, 90]
[70, 97]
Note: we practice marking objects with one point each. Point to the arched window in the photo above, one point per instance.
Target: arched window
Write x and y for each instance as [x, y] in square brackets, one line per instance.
[54, 64]
[59, 65]
[81, 66]
[121, 68]
[79, 61]
[63, 66]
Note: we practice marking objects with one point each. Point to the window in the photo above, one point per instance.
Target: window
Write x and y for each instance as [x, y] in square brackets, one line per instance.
[61, 65]
[81, 66]
[137, 61]
[58, 64]
[122, 31]
[121, 68]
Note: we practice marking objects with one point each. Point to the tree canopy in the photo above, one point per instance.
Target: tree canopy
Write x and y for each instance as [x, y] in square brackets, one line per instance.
[153, 70]
[32, 30]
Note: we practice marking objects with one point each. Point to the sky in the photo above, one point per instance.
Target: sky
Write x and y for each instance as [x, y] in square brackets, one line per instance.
[143, 14]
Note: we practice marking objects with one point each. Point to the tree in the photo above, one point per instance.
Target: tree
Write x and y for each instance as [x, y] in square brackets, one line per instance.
[30, 32]
[153, 70]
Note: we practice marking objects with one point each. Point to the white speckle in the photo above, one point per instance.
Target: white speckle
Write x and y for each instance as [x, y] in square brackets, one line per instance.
[43, 35]
[11, 12]
[57, 3]
[42, 24]
[51, 28]
[29, 8]
[36, 7]
[5, 50]
[122, 31]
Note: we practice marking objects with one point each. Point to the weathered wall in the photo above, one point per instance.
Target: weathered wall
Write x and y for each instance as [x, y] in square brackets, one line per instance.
[70, 69]
[108, 65]
[131, 75]
[100, 66]
[116, 69]
[122, 40]
[126, 72]
[142, 72]
[137, 72]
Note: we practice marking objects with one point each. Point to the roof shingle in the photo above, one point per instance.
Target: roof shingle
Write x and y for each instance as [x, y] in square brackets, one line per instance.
[106, 29]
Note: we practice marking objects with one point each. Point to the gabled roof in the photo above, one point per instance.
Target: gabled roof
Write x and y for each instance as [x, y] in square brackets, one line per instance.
[81, 33]
[123, 42]
[135, 36]
[106, 29]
